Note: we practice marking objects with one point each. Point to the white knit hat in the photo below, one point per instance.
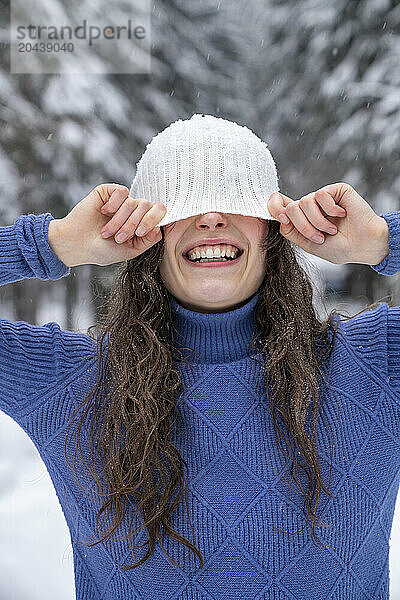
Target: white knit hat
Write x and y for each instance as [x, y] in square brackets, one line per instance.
[206, 164]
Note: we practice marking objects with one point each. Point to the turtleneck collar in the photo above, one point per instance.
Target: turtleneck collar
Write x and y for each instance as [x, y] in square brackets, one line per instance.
[215, 337]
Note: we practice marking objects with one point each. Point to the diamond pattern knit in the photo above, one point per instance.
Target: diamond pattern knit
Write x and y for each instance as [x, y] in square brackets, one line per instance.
[239, 506]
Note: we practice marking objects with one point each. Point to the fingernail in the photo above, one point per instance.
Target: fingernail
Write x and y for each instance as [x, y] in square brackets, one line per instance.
[332, 229]
[121, 237]
[283, 219]
[106, 234]
[318, 239]
[140, 230]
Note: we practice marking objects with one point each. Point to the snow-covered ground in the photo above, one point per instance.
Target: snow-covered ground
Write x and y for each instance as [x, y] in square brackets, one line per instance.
[35, 547]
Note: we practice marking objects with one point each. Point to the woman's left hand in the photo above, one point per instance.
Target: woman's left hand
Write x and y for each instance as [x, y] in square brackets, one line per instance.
[358, 234]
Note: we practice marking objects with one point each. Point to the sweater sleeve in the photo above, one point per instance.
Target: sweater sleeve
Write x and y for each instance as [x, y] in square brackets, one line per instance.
[393, 338]
[390, 265]
[375, 334]
[34, 360]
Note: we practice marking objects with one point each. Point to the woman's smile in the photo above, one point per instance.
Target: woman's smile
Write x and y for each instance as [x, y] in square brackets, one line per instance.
[213, 262]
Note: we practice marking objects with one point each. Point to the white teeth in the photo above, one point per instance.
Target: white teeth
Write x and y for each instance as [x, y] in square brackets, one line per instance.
[214, 252]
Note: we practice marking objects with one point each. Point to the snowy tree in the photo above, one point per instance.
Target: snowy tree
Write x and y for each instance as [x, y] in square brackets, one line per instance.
[324, 81]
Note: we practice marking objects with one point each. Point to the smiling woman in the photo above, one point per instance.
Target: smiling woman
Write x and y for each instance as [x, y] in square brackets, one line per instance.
[227, 315]
[198, 402]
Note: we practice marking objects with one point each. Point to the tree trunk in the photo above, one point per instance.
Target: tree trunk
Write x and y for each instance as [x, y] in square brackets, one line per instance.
[97, 291]
[25, 297]
[71, 291]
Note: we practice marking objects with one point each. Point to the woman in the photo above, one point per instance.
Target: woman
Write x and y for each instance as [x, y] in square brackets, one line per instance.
[218, 420]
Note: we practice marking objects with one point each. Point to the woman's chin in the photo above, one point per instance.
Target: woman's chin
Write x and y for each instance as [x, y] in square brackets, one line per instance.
[208, 302]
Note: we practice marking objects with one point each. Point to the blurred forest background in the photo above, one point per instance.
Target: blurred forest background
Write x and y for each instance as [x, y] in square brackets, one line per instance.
[318, 81]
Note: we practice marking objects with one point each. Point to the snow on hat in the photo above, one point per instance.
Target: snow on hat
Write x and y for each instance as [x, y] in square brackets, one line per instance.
[206, 164]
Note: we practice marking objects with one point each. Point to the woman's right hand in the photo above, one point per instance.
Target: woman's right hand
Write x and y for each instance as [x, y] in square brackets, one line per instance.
[76, 239]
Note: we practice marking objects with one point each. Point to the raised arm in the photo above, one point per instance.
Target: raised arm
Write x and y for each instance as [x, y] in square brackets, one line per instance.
[391, 266]
[34, 360]
[375, 335]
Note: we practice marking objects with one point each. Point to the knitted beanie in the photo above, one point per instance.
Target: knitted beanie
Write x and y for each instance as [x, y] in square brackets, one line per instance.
[206, 164]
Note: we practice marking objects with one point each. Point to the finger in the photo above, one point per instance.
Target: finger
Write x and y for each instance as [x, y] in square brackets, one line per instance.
[302, 224]
[339, 192]
[290, 232]
[150, 237]
[152, 233]
[328, 204]
[313, 213]
[122, 214]
[145, 216]
[150, 219]
[137, 245]
[115, 201]
[104, 191]
[276, 206]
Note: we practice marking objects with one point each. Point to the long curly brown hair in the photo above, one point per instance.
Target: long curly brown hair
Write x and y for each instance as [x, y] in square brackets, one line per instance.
[131, 431]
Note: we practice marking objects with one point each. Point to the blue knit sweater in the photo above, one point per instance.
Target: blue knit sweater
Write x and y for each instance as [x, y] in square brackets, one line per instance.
[240, 508]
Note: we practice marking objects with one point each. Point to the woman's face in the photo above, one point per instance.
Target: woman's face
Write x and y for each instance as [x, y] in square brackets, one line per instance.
[212, 287]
